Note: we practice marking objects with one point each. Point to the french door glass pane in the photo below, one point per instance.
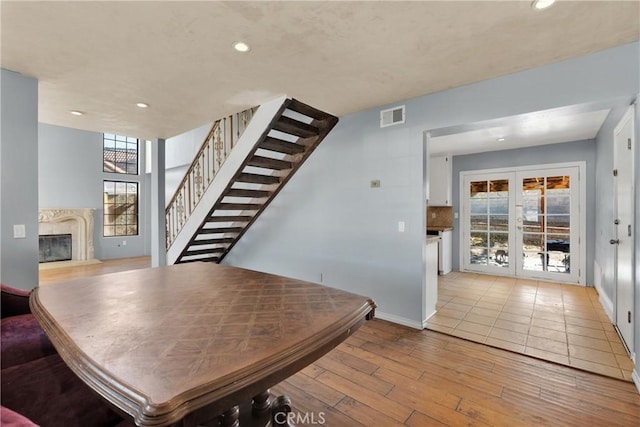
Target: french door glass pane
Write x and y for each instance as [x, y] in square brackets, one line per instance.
[533, 261]
[499, 223]
[533, 242]
[478, 240]
[478, 256]
[478, 222]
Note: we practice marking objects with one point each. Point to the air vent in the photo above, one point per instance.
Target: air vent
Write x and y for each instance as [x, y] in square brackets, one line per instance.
[392, 116]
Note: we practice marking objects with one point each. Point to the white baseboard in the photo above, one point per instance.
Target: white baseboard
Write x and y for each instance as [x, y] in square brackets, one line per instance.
[424, 322]
[607, 304]
[399, 320]
[636, 378]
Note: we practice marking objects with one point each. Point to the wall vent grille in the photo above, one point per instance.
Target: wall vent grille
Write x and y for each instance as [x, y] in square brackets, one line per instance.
[392, 116]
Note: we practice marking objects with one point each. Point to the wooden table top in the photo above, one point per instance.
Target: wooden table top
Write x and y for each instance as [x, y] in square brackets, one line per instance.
[162, 343]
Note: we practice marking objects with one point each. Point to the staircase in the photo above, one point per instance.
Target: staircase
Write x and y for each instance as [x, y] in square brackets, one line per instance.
[212, 209]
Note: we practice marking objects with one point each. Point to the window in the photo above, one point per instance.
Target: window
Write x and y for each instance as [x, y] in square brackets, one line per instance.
[120, 202]
[120, 154]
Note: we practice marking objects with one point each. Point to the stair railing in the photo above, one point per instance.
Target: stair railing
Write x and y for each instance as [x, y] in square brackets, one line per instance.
[215, 149]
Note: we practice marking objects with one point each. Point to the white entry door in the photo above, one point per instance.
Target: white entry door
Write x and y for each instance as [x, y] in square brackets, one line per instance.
[547, 224]
[523, 223]
[624, 225]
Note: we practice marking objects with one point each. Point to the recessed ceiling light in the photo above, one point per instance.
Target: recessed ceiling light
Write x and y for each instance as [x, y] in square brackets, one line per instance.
[142, 105]
[241, 47]
[501, 139]
[76, 113]
[542, 4]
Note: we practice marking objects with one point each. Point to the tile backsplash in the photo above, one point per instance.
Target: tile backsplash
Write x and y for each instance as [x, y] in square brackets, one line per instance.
[439, 216]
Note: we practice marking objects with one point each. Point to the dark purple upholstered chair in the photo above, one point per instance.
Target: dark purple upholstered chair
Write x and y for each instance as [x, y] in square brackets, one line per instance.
[9, 418]
[36, 385]
[23, 339]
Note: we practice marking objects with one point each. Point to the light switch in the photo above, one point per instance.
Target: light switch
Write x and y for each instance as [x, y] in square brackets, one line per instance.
[19, 231]
[455, 215]
[401, 226]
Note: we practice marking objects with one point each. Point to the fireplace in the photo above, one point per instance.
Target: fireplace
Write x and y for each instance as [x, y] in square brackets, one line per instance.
[76, 224]
[55, 247]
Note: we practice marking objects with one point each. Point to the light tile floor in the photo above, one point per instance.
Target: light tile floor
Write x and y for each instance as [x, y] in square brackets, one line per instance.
[560, 323]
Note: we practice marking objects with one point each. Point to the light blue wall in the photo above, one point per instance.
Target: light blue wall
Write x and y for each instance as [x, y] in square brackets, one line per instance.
[70, 165]
[328, 220]
[18, 179]
[554, 153]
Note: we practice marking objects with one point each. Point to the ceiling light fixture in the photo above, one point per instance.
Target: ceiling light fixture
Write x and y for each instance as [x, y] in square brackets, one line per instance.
[142, 105]
[501, 139]
[241, 47]
[76, 113]
[542, 4]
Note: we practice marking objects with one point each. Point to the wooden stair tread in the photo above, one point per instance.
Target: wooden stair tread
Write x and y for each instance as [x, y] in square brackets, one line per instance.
[229, 218]
[294, 127]
[221, 230]
[307, 110]
[207, 259]
[280, 146]
[219, 240]
[198, 252]
[240, 192]
[269, 163]
[255, 178]
[205, 242]
[239, 206]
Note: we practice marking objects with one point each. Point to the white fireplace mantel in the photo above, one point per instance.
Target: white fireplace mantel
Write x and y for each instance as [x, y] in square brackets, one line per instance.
[75, 221]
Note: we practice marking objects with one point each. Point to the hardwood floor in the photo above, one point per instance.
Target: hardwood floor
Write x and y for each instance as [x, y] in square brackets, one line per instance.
[390, 375]
[104, 267]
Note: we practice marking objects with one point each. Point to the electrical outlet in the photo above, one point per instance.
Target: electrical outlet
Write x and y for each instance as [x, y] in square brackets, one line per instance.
[433, 214]
[124, 243]
[375, 183]
[19, 231]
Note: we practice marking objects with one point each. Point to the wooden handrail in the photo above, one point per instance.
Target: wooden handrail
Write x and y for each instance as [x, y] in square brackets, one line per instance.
[198, 154]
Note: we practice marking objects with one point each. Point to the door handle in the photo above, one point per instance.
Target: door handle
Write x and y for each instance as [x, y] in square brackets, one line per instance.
[614, 241]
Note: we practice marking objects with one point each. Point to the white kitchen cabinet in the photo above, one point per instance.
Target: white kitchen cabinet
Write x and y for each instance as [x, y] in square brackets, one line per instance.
[440, 180]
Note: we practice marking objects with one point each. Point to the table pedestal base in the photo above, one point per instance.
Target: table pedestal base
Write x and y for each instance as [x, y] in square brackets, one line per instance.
[259, 413]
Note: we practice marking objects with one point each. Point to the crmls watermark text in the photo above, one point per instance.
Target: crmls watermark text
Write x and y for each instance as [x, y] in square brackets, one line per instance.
[299, 418]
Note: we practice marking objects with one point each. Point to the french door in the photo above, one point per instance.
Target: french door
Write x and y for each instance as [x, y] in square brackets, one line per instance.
[523, 223]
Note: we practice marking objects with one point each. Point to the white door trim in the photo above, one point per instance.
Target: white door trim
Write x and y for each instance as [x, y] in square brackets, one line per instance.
[582, 167]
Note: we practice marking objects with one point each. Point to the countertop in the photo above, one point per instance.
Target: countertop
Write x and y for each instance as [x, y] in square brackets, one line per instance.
[432, 239]
[439, 228]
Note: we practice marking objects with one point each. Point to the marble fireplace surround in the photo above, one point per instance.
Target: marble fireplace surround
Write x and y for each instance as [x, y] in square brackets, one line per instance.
[75, 221]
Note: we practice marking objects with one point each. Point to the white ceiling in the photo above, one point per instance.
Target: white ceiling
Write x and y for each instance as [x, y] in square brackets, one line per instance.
[103, 57]
[525, 130]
